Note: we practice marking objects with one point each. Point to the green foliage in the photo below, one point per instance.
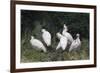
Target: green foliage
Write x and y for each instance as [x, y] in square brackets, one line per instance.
[29, 54]
[33, 21]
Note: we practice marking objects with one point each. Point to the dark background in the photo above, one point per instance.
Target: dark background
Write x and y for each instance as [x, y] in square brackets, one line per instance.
[33, 21]
[53, 22]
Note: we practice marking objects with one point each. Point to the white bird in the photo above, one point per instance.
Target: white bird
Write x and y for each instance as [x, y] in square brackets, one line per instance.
[76, 44]
[65, 27]
[68, 35]
[38, 44]
[63, 42]
[46, 37]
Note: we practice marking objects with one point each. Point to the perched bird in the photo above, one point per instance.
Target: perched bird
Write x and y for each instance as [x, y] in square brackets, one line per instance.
[63, 42]
[65, 27]
[76, 44]
[46, 37]
[37, 44]
[67, 35]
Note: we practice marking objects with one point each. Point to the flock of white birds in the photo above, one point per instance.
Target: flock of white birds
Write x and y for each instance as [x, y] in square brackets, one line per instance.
[65, 39]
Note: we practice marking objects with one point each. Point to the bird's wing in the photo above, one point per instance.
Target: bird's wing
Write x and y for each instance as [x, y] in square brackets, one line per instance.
[44, 37]
[47, 38]
[79, 43]
[40, 45]
[73, 45]
[69, 36]
[63, 42]
[58, 46]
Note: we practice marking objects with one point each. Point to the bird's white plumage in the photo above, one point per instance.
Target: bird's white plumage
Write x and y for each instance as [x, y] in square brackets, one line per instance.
[37, 43]
[67, 34]
[46, 37]
[58, 46]
[76, 44]
[59, 35]
[63, 42]
[65, 27]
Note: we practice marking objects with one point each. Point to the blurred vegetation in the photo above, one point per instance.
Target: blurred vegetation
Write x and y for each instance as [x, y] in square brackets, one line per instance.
[33, 21]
